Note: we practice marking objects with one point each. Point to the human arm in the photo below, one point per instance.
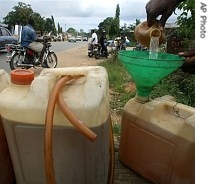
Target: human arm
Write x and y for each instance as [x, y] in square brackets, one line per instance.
[165, 8]
[189, 63]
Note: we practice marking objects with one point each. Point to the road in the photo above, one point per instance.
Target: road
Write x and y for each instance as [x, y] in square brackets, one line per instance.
[56, 46]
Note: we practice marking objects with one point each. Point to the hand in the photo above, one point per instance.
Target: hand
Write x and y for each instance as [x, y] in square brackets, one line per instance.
[189, 63]
[154, 8]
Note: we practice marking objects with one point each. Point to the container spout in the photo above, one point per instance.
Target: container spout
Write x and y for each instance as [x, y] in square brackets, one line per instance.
[143, 33]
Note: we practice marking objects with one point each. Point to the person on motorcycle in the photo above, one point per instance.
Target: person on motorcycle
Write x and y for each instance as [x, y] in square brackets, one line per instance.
[102, 41]
[29, 38]
[154, 8]
[94, 38]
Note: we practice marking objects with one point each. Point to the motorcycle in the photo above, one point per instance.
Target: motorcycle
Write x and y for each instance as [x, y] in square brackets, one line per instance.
[119, 45]
[90, 50]
[96, 51]
[21, 57]
[99, 52]
[138, 46]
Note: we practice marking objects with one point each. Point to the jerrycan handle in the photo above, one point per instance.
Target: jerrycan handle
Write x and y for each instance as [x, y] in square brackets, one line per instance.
[180, 110]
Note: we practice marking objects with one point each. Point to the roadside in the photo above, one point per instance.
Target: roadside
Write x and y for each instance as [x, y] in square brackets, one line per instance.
[75, 57]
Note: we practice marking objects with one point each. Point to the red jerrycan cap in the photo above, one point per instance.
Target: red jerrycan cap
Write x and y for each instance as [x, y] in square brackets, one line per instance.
[22, 76]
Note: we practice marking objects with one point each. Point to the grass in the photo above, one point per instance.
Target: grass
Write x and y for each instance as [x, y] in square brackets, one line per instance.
[179, 85]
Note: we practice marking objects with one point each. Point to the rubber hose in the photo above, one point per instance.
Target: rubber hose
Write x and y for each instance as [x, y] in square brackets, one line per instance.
[48, 153]
[112, 155]
[79, 125]
[48, 149]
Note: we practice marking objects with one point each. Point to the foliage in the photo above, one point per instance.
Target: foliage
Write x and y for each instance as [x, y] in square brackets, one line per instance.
[186, 21]
[106, 24]
[20, 14]
[112, 24]
[180, 85]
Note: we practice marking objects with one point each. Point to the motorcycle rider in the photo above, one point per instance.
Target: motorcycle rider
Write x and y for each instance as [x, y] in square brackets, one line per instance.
[94, 38]
[102, 41]
[29, 38]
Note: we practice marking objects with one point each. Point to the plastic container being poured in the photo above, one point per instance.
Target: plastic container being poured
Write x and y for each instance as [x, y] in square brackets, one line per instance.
[143, 33]
[147, 72]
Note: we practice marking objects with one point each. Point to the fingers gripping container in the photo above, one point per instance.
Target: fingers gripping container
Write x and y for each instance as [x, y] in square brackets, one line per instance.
[76, 159]
[6, 168]
[158, 140]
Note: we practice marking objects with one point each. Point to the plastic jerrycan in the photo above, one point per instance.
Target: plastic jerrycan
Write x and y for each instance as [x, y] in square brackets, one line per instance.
[6, 168]
[76, 159]
[158, 140]
[143, 33]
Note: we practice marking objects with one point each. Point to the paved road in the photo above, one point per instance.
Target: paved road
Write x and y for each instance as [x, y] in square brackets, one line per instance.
[56, 46]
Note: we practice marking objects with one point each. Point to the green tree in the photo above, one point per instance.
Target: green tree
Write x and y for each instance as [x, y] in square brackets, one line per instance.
[39, 22]
[49, 25]
[54, 31]
[114, 29]
[72, 31]
[117, 17]
[19, 15]
[106, 24]
[186, 21]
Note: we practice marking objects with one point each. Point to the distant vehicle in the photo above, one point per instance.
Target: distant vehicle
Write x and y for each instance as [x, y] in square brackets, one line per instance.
[6, 38]
[79, 38]
[72, 39]
[110, 43]
[85, 38]
[55, 38]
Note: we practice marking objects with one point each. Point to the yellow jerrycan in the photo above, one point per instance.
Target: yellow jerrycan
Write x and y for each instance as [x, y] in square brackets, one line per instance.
[58, 125]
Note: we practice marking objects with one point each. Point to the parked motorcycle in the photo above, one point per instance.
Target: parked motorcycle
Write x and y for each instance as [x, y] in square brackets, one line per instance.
[21, 57]
[96, 51]
[90, 50]
[139, 47]
[99, 52]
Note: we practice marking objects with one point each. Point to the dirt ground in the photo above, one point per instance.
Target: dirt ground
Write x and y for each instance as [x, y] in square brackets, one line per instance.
[76, 57]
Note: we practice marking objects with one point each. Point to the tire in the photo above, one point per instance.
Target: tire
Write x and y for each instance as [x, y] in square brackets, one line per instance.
[17, 59]
[51, 60]
[96, 55]
[90, 54]
[134, 49]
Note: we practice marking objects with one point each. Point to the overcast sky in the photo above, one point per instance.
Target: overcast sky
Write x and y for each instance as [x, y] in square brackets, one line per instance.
[83, 14]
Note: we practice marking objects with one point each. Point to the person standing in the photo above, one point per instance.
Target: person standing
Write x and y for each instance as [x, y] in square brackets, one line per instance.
[102, 41]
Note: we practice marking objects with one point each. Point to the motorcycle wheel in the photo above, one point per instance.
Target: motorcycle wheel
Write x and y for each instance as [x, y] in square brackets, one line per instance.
[90, 54]
[51, 60]
[96, 55]
[15, 60]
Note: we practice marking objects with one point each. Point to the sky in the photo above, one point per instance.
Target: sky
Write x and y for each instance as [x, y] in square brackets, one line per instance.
[83, 14]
